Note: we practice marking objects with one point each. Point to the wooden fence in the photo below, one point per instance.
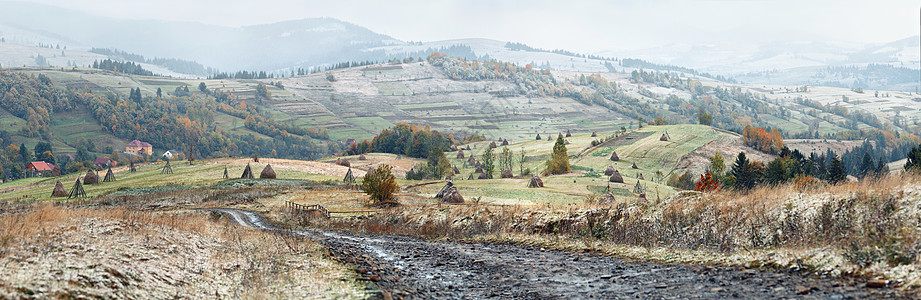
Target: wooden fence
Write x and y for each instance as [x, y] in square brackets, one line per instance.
[300, 208]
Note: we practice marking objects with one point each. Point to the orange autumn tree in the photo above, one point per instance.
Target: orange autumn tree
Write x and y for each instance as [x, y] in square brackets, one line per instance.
[761, 139]
[707, 184]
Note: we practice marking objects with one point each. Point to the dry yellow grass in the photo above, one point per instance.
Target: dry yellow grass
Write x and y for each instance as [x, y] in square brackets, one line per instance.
[58, 252]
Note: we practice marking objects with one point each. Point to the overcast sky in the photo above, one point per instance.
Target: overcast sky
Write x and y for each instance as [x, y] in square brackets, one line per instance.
[584, 26]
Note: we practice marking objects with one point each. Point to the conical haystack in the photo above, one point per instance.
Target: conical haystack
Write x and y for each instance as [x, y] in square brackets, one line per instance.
[451, 195]
[362, 157]
[268, 172]
[663, 138]
[568, 134]
[470, 177]
[441, 193]
[349, 177]
[642, 198]
[247, 173]
[634, 166]
[608, 198]
[609, 171]
[77, 190]
[504, 142]
[482, 176]
[226, 175]
[565, 142]
[343, 162]
[616, 177]
[479, 169]
[640, 177]
[456, 171]
[549, 138]
[167, 169]
[471, 161]
[594, 134]
[535, 182]
[90, 177]
[460, 154]
[110, 176]
[507, 173]
[492, 145]
[59, 190]
[614, 156]
[538, 137]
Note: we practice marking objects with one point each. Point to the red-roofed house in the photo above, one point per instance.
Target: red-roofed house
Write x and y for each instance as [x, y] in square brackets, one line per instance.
[139, 148]
[39, 168]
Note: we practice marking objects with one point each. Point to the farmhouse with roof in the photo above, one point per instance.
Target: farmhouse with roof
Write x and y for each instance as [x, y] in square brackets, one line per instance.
[39, 168]
[139, 148]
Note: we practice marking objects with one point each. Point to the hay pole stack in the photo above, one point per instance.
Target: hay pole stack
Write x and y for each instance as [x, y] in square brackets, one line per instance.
[167, 169]
[247, 173]
[349, 177]
[225, 173]
[110, 176]
[77, 191]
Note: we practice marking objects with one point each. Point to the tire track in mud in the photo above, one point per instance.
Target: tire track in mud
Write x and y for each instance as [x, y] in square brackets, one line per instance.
[414, 268]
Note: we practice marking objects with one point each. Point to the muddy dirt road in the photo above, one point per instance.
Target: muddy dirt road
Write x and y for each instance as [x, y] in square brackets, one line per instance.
[414, 268]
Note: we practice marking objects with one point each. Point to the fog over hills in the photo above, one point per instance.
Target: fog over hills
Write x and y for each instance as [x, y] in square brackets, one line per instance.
[281, 47]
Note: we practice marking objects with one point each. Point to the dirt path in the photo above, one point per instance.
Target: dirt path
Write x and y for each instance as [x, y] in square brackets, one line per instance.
[406, 266]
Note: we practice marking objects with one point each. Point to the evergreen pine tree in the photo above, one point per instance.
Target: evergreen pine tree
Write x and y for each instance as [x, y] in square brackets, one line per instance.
[836, 171]
[867, 167]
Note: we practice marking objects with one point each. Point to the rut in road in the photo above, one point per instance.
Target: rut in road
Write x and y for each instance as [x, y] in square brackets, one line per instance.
[416, 268]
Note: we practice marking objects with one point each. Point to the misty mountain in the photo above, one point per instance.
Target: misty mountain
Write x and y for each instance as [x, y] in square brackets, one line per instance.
[306, 42]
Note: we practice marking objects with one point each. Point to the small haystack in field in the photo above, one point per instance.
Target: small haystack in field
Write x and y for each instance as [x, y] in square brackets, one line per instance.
[492, 145]
[247, 173]
[568, 134]
[343, 162]
[479, 169]
[549, 138]
[110, 176]
[362, 157]
[460, 154]
[255, 157]
[471, 161]
[77, 191]
[565, 142]
[268, 172]
[226, 175]
[614, 156]
[616, 177]
[609, 171]
[608, 198]
[507, 173]
[640, 177]
[167, 169]
[59, 190]
[594, 134]
[535, 182]
[538, 137]
[634, 166]
[441, 193]
[642, 198]
[504, 142]
[456, 171]
[482, 176]
[90, 177]
[663, 138]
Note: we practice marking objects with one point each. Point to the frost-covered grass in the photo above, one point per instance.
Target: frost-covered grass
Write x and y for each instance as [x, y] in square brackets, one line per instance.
[868, 229]
[58, 252]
